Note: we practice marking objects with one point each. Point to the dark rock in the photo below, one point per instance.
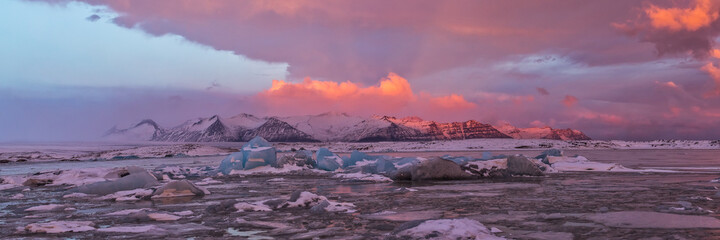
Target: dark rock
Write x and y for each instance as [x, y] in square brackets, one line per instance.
[438, 169]
[407, 225]
[226, 206]
[320, 208]
[137, 217]
[37, 182]
[295, 195]
[21, 160]
[381, 226]
[316, 225]
[4, 161]
[519, 165]
[275, 203]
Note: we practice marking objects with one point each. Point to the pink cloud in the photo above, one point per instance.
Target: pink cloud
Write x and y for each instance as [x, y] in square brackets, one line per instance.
[569, 100]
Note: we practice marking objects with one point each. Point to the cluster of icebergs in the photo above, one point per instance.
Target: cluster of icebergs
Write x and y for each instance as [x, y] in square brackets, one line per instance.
[260, 154]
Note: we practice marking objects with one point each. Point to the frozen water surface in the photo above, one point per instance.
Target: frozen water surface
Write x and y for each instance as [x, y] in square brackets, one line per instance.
[564, 205]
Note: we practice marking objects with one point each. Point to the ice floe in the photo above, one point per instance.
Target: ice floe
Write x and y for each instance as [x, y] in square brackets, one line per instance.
[448, 229]
[60, 227]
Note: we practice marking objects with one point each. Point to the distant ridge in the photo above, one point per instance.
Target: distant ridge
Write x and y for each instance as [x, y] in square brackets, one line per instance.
[329, 127]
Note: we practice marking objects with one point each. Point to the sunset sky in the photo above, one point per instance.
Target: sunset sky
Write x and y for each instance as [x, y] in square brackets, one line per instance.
[631, 69]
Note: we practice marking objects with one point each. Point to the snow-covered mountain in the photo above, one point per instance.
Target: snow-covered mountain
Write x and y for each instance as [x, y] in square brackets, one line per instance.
[541, 133]
[329, 127]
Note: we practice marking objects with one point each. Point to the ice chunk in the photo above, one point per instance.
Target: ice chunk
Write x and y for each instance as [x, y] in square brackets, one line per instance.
[136, 177]
[357, 156]
[308, 199]
[60, 227]
[133, 229]
[327, 160]
[46, 208]
[458, 160]
[181, 188]
[252, 207]
[252, 156]
[257, 142]
[548, 153]
[234, 161]
[163, 217]
[381, 165]
[363, 177]
[446, 229]
[128, 195]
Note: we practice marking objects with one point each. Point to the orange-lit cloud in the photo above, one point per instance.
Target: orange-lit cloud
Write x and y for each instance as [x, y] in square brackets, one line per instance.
[714, 73]
[570, 100]
[669, 84]
[675, 19]
[393, 94]
[453, 101]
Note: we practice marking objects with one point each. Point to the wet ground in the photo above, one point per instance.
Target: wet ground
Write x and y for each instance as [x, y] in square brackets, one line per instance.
[680, 205]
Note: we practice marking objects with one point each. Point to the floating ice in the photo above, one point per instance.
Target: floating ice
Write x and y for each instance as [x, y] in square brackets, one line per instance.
[448, 229]
[128, 195]
[547, 153]
[357, 156]
[60, 227]
[308, 199]
[364, 177]
[257, 142]
[458, 160]
[136, 177]
[182, 188]
[46, 208]
[327, 160]
[208, 181]
[256, 153]
[163, 217]
[252, 207]
[234, 161]
[132, 229]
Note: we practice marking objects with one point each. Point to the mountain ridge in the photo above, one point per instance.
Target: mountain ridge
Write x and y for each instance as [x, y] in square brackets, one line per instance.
[329, 127]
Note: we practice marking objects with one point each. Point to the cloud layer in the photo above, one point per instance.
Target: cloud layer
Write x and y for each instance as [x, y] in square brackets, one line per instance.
[630, 69]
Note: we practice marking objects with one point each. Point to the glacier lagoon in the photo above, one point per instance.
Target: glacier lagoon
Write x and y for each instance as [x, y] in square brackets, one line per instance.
[677, 201]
